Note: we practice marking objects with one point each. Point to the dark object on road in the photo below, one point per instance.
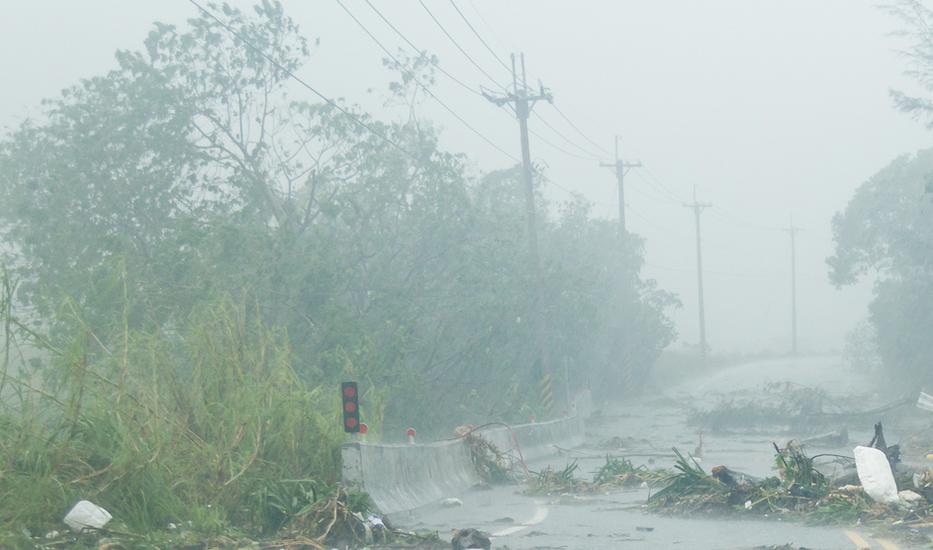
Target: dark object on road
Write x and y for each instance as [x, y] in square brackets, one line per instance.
[893, 452]
[645, 529]
[470, 538]
[731, 477]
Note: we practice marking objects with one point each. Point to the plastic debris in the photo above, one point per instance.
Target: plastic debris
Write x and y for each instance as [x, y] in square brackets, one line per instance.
[910, 496]
[86, 515]
[874, 471]
[375, 522]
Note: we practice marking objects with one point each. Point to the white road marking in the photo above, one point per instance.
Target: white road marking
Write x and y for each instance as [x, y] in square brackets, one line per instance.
[541, 512]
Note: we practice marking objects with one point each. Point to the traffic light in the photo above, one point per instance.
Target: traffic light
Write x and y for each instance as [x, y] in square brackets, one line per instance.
[351, 407]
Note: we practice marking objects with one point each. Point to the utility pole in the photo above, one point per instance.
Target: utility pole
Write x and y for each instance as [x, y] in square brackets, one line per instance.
[621, 168]
[522, 100]
[697, 208]
[792, 231]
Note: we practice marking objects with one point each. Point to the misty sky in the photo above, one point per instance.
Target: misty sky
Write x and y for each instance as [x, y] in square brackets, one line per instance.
[771, 109]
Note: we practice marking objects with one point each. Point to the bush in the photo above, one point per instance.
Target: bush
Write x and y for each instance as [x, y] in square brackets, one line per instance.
[209, 425]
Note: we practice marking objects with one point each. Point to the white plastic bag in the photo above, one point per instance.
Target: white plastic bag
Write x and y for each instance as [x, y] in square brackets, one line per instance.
[87, 515]
[874, 472]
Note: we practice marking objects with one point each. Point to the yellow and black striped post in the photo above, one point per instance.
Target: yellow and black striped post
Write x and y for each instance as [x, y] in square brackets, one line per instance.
[546, 393]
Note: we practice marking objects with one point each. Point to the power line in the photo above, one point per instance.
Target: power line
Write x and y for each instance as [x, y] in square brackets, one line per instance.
[505, 65]
[475, 33]
[589, 154]
[417, 49]
[663, 196]
[657, 198]
[297, 79]
[579, 131]
[459, 47]
[467, 87]
[732, 218]
[665, 189]
[425, 88]
[557, 147]
[488, 26]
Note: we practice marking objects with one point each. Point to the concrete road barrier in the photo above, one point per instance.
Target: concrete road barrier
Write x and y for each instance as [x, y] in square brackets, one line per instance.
[405, 477]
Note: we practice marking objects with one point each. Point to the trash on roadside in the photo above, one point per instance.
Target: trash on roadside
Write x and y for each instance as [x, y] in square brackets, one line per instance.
[644, 529]
[332, 522]
[85, 515]
[451, 502]
[909, 496]
[464, 539]
[874, 472]
[925, 402]
[375, 522]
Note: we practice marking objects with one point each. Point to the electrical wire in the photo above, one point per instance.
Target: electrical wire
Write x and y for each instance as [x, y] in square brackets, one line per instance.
[297, 79]
[657, 182]
[459, 47]
[417, 49]
[585, 151]
[423, 86]
[579, 131]
[501, 62]
[475, 33]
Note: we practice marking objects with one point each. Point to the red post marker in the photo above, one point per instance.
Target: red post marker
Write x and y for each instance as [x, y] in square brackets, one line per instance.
[533, 419]
[363, 428]
[410, 432]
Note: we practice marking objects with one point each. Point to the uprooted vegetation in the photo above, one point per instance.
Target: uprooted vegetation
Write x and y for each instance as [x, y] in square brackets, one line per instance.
[617, 473]
[492, 464]
[785, 407]
[799, 490]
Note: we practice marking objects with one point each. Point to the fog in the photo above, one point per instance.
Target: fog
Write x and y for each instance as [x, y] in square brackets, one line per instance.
[286, 274]
[772, 110]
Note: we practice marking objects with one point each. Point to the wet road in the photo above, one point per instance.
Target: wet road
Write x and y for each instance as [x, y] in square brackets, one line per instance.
[652, 425]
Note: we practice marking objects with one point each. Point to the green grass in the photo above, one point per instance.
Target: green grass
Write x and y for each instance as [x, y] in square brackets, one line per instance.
[210, 425]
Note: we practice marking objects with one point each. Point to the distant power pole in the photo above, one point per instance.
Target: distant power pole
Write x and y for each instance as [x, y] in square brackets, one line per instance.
[697, 208]
[792, 231]
[522, 101]
[621, 168]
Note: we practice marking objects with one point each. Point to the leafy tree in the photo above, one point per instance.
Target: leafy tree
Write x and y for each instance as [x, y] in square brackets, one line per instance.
[887, 230]
[189, 173]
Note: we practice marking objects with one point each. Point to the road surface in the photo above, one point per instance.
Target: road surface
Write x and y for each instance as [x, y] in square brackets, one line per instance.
[659, 420]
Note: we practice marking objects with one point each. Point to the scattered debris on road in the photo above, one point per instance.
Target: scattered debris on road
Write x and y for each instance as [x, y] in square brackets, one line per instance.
[800, 490]
[616, 473]
[465, 539]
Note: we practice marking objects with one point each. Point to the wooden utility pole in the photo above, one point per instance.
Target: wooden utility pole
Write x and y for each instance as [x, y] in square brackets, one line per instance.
[697, 208]
[792, 231]
[522, 100]
[621, 168]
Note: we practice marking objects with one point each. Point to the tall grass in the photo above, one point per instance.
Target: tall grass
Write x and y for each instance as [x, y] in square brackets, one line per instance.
[208, 423]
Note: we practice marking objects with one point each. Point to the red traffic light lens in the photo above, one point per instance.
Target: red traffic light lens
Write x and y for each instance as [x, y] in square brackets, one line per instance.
[349, 391]
[349, 407]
